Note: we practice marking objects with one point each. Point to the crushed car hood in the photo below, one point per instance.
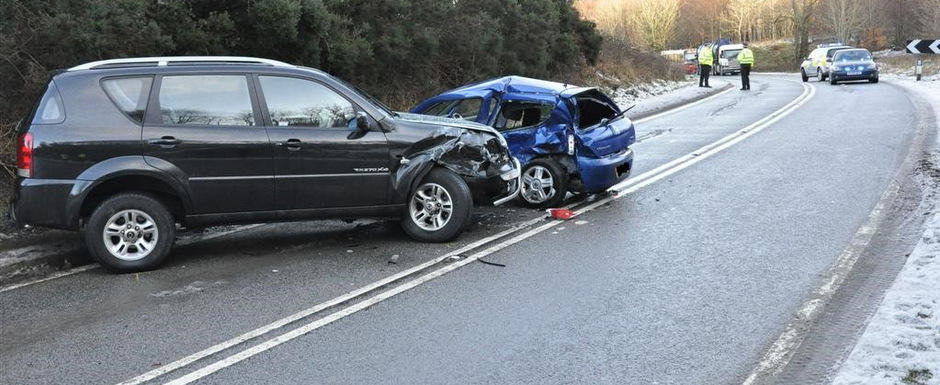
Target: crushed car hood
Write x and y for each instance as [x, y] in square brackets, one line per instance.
[440, 120]
[468, 149]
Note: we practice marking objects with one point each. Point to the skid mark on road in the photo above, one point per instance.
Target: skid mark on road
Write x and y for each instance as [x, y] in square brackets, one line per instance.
[389, 287]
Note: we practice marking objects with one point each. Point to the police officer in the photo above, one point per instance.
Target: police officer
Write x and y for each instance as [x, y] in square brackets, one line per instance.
[705, 60]
[746, 58]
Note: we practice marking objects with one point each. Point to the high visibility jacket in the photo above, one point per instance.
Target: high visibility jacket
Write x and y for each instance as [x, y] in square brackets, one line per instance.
[705, 56]
[746, 56]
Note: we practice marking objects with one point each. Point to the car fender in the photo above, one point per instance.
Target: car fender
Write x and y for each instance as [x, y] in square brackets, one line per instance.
[119, 167]
[465, 151]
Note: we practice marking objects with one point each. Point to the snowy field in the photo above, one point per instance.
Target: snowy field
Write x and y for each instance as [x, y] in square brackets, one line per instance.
[901, 344]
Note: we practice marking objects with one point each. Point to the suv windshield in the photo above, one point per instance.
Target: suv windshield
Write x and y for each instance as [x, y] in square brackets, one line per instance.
[730, 54]
[859, 55]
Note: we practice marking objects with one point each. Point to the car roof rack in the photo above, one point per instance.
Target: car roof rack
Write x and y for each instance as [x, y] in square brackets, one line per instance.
[163, 61]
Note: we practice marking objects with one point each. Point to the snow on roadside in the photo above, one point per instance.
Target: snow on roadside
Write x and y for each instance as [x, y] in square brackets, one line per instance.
[901, 344]
[625, 96]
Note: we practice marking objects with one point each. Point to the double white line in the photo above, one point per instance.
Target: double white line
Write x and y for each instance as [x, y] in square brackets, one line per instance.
[426, 272]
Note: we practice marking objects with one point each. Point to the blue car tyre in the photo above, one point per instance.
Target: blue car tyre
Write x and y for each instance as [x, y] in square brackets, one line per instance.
[439, 208]
[544, 183]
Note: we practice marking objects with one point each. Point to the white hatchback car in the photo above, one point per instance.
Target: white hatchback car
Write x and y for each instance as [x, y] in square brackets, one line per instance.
[817, 63]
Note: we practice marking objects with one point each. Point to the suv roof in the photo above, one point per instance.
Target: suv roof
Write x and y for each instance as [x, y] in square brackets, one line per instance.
[163, 61]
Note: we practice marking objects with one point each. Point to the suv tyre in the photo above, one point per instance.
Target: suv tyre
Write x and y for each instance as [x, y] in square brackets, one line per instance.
[439, 208]
[130, 232]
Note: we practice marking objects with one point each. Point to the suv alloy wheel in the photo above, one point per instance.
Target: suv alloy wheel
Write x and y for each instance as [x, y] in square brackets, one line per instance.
[439, 209]
[130, 232]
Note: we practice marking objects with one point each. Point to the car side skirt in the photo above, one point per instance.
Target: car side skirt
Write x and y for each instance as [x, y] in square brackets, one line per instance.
[378, 212]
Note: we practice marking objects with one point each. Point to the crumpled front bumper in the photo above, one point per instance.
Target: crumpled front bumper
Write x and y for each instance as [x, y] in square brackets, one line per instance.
[513, 181]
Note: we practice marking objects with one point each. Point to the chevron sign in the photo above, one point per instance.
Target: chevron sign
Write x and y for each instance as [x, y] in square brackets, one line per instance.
[923, 46]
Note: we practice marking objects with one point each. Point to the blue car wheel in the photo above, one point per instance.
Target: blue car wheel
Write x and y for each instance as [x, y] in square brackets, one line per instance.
[544, 183]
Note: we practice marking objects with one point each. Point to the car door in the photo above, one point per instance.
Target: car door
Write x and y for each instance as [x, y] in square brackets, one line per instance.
[206, 127]
[321, 159]
[522, 120]
[812, 63]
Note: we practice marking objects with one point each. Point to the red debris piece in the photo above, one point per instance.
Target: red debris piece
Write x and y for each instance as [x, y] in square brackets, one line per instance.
[563, 214]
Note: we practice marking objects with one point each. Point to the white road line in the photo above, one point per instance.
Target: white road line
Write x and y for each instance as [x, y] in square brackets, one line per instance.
[207, 237]
[93, 266]
[51, 277]
[641, 181]
[317, 308]
[704, 152]
[778, 355]
[682, 107]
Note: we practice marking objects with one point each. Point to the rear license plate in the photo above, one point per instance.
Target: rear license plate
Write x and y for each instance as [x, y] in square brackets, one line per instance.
[852, 73]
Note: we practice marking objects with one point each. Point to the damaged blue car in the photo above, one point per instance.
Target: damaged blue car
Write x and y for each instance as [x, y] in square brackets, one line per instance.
[568, 138]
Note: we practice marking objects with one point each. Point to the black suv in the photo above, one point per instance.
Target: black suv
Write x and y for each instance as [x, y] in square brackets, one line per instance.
[130, 149]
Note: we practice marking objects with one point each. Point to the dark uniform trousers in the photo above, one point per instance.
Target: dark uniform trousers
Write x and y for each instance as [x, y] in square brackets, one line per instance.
[745, 76]
[703, 72]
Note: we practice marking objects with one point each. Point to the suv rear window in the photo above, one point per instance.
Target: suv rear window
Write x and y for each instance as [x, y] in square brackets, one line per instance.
[203, 100]
[50, 109]
[130, 95]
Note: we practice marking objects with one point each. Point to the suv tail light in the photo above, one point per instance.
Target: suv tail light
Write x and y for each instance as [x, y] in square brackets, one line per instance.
[24, 155]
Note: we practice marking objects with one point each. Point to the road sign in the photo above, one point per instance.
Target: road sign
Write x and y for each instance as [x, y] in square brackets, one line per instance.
[923, 46]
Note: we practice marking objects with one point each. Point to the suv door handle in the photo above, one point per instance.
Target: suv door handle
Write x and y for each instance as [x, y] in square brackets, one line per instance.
[291, 144]
[166, 141]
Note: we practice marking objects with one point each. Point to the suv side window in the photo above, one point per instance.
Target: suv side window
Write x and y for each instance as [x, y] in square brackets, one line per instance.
[217, 100]
[294, 102]
[130, 95]
[50, 109]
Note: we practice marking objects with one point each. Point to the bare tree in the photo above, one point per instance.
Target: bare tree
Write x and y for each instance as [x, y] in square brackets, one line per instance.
[611, 16]
[655, 22]
[803, 11]
[741, 15]
[845, 18]
[930, 19]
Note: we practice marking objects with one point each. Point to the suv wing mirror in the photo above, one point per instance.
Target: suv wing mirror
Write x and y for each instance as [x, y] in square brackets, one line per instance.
[362, 121]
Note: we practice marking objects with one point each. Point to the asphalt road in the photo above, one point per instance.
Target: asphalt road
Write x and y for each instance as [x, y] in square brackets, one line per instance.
[687, 280]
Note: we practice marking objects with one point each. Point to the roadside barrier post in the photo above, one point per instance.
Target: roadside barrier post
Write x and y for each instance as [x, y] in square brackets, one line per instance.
[919, 69]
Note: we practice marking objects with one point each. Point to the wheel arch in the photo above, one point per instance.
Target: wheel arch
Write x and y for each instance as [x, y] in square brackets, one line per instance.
[124, 174]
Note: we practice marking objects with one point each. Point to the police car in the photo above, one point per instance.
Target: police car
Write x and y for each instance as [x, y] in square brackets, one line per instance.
[817, 63]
